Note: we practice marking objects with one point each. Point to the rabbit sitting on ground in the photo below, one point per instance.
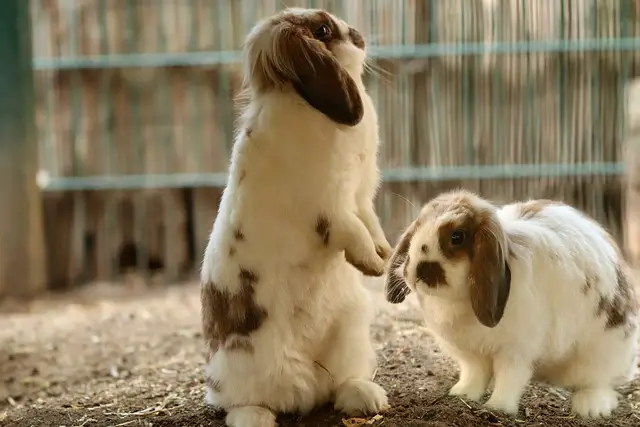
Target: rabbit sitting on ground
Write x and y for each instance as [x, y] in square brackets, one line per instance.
[530, 290]
[285, 316]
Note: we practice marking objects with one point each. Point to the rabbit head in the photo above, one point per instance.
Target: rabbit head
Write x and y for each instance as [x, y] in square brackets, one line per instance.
[315, 53]
[456, 250]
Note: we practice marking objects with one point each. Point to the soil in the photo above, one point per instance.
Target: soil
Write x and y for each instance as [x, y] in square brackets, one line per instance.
[111, 355]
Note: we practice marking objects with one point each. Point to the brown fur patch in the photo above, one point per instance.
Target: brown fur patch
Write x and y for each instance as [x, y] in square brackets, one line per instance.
[243, 175]
[238, 235]
[232, 251]
[431, 274]
[225, 315]
[469, 225]
[323, 229]
[424, 249]
[297, 54]
[589, 281]
[484, 245]
[531, 208]
[356, 38]
[239, 343]
[214, 385]
[248, 278]
[620, 310]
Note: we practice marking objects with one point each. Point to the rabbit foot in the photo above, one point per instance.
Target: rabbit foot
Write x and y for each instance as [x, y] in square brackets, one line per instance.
[372, 267]
[472, 389]
[250, 416]
[506, 405]
[361, 397]
[384, 250]
[475, 374]
[594, 402]
[511, 376]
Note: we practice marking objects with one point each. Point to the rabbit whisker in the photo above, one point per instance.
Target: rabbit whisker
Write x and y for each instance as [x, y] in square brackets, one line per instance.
[416, 210]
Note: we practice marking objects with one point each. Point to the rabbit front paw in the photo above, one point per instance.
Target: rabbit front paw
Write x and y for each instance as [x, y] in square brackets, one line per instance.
[361, 397]
[346, 231]
[368, 217]
[370, 266]
[384, 249]
[473, 390]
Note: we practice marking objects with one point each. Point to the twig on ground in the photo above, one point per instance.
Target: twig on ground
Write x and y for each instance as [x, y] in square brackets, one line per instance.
[465, 403]
[557, 393]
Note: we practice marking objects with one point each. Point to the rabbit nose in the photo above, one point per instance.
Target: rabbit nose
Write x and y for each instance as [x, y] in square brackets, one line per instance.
[431, 274]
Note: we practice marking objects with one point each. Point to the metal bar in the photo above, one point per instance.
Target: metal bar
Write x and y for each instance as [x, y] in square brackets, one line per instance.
[147, 60]
[22, 254]
[445, 173]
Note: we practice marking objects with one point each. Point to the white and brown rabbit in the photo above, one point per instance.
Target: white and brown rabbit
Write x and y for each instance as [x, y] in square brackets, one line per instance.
[285, 316]
[531, 290]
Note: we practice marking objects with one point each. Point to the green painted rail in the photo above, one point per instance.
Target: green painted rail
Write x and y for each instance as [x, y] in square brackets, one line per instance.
[148, 181]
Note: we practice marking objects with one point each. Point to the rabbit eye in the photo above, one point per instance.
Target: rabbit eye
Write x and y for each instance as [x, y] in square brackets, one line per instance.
[458, 237]
[323, 32]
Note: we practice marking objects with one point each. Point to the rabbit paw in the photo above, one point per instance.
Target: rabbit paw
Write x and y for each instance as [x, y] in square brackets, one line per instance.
[250, 416]
[373, 266]
[361, 397]
[384, 250]
[506, 405]
[594, 403]
[471, 389]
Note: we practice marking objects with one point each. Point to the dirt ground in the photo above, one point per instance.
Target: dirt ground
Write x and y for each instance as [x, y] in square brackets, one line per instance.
[113, 355]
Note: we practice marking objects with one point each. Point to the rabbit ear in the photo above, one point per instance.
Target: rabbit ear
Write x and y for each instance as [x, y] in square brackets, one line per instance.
[490, 276]
[395, 285]
[292, 55]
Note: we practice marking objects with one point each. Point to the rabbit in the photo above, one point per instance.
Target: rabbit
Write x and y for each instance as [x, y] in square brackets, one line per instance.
[285, 316]
[533, 290]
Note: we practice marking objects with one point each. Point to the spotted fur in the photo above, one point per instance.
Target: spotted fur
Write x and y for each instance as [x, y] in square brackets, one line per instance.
[528, 290]
[282, 306]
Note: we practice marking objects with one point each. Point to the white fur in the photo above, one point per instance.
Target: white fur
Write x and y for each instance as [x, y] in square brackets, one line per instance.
[550, 330]
[315, 342]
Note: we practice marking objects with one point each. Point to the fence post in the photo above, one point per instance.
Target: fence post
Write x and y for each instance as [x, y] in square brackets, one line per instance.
[632, 178]
[22, 253]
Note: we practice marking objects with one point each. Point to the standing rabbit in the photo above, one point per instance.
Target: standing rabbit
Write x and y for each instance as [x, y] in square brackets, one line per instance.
[530, 290]
[285, 317]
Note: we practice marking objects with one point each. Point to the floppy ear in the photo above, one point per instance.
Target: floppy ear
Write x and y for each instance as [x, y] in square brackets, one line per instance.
[395, 285]
[490, 276]
[292, 55]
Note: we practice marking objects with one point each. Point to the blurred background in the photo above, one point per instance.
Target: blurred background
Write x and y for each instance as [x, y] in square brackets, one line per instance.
[117, 120]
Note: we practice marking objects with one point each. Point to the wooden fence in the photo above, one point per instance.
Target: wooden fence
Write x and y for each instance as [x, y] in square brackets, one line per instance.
[533, 105]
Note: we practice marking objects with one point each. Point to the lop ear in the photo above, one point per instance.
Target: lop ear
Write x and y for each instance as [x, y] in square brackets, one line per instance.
[395, 285]
[490, 276]
[292, 55]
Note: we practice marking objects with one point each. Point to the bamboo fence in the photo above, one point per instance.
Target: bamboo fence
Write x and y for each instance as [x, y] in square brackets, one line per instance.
[479, 108]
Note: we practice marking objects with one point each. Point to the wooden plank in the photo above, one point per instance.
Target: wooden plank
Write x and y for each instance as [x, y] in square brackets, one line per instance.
[632, 159]
[22, 254]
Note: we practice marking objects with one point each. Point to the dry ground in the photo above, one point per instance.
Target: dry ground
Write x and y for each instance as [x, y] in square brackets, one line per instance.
[133, 358]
